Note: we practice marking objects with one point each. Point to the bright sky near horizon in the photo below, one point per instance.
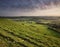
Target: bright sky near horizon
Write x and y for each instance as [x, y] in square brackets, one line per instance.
[47, 12]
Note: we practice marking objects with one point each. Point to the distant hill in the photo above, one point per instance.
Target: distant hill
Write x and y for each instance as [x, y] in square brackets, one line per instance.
[32, 17]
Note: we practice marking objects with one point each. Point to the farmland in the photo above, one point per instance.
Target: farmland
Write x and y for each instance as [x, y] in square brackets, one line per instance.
[28, 32]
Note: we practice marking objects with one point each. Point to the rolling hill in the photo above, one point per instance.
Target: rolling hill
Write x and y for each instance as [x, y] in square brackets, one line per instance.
[24, 34]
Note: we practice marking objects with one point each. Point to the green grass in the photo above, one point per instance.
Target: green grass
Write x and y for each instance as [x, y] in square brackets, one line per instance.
[25, 34]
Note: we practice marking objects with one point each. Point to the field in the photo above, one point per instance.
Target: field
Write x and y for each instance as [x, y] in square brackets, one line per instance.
[28, 33]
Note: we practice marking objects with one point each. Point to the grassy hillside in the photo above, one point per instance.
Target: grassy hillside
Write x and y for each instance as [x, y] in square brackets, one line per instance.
[25, 34]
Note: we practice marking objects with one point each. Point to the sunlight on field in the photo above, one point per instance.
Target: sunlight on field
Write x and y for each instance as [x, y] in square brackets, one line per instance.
[24, 34]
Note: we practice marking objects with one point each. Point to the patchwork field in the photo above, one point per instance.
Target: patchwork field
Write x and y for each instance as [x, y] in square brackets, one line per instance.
[27, 34]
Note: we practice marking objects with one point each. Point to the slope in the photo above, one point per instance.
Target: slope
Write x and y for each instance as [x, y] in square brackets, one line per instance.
[24, 34]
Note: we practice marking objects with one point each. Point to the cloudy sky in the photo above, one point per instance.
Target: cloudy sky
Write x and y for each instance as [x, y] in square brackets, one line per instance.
[29, 7]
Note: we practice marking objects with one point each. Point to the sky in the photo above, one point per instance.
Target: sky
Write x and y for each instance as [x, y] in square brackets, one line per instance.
[29, 7]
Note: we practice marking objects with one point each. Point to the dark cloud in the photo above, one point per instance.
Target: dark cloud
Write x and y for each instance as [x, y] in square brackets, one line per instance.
[23, 4]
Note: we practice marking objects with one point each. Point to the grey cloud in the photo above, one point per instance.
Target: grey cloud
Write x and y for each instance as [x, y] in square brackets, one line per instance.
[23, 4]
